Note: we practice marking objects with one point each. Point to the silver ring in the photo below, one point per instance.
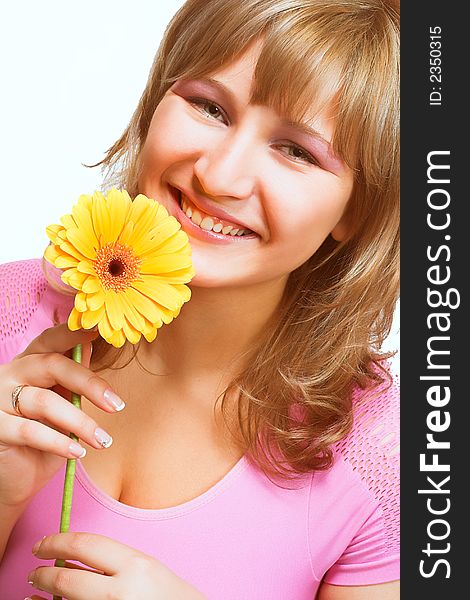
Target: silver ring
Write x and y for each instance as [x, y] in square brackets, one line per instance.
[15, 399]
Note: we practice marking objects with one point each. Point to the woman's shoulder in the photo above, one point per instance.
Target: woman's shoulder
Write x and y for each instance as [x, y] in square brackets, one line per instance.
[28, 305]
[372, 446]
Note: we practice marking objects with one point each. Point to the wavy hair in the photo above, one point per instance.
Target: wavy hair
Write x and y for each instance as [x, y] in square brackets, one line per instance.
[294, 394]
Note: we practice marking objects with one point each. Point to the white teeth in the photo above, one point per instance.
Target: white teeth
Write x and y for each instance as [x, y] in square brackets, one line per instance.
[207, 224]
[196, 218]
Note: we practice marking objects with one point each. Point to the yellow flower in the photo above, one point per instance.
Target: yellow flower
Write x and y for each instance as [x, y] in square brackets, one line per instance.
[129, 261]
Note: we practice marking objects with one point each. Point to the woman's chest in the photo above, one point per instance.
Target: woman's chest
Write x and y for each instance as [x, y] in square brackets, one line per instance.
[155, 475]
[167, 446]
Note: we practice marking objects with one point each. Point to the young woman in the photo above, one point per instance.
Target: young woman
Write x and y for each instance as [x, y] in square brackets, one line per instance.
[256, 456]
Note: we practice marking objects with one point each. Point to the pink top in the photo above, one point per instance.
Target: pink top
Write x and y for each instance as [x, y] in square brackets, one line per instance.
[245, 538]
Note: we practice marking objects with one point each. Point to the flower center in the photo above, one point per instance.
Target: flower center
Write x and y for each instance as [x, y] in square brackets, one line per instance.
[117, 266]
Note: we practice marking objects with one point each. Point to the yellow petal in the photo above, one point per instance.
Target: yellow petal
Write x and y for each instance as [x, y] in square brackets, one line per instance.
[184, 291]
[51, 253]
[74, 320]
[168, 315]
[104, 327]
[132, 315]
[82, 243]
[90, 318]
[84, 266]
[52, 232]
[182, 276]
[178, 242]
[143, 305]
[126, 233]
[142, 214]
[119, 204]
[91, 284]
[74, 278]
[164, 294]
[80, 302]
[96, 300]
[68, 248]
[101, 219]
[138, 207]
[67, 221]
[151, 335]
[156, 237]
[132, 334]
[86, 201]
[165, 264]
[118, 339]
[114, 309]
[82, 216]
[65, 262]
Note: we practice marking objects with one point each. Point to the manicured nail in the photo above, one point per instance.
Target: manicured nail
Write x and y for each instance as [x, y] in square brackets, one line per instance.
[36, 546]
[77, 450]
[28, 597]
[113, 400]
[31, 577]
[103, 438]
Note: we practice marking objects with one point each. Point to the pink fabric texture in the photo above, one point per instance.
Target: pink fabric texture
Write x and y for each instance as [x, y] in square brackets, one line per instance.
[245, 538]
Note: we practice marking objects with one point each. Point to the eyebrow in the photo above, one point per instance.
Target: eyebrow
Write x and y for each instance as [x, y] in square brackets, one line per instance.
[297, 125]
[307, 130]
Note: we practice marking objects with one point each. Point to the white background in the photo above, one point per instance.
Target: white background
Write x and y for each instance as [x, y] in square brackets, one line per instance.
[71, 75]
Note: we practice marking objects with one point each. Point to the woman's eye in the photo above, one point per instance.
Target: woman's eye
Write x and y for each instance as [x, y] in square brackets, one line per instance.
[209, 109]
[298, 154]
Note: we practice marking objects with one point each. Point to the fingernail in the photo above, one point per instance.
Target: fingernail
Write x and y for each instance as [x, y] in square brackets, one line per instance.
[28, 597]
[77, 450]
[31, 577]
[113, 400]
[103, 438]
[36, 546]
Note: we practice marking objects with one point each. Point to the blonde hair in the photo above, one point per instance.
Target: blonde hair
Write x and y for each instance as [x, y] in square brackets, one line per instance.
[337, 308]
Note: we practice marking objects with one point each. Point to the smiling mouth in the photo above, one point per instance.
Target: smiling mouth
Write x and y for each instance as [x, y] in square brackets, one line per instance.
[209, 222]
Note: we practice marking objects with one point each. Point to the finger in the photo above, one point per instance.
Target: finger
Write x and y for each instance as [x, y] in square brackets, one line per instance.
[73, 584]
[71, 565]
[96, 551]
[59, 339]
[24, 432]
[48, 370]
[50, 408]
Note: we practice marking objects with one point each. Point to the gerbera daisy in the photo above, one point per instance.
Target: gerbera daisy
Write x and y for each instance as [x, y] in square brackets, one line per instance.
[129, 261]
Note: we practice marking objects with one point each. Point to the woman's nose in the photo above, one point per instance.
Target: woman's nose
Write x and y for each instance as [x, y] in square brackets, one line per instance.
[227, 169]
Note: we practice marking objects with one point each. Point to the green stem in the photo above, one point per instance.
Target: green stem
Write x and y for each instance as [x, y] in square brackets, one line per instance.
[69, 472]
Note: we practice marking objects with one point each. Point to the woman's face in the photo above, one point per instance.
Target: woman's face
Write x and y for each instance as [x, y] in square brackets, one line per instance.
[224, 167]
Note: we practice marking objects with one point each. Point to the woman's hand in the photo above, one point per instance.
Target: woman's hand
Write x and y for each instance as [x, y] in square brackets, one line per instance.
[36, 443]
[113, 570]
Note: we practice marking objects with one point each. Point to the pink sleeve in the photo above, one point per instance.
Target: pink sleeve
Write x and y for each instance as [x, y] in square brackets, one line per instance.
[28, 305]
[21, 288]
[371, 451]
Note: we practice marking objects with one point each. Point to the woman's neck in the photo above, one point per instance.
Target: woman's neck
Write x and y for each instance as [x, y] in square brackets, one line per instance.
[213, 331]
